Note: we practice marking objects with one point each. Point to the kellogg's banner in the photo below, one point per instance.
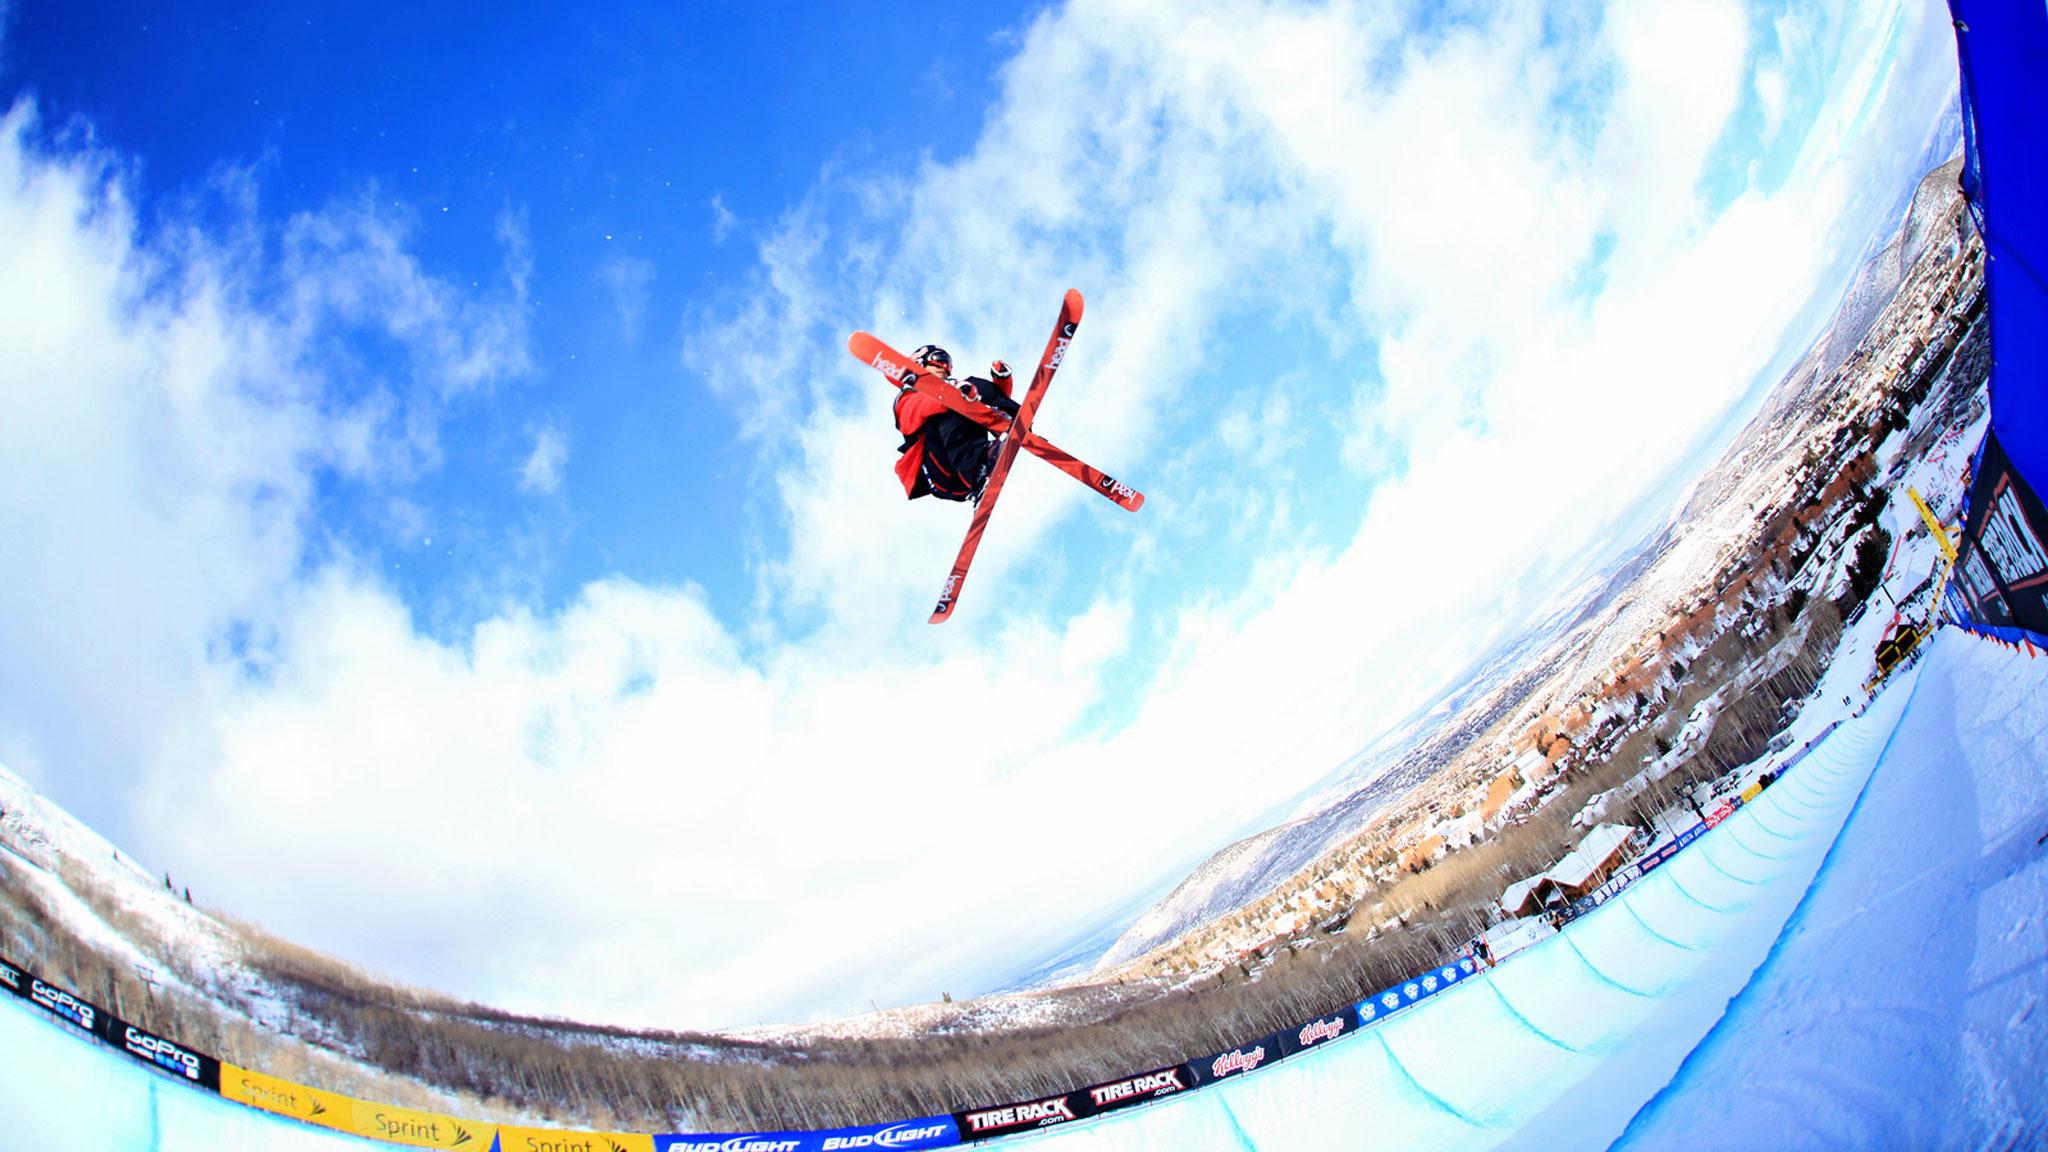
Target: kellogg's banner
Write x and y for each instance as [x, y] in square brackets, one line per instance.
[1320, 1030]
[1265, 1050]
[929, 1132]
[1239, 1060]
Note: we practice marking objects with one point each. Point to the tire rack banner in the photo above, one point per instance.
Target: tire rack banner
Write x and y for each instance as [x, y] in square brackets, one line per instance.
[1095, 1100]
[394, 1124]
[2002, 572]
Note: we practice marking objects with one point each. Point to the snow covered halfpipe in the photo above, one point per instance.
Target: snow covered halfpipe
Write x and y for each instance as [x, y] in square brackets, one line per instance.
[1855, 957]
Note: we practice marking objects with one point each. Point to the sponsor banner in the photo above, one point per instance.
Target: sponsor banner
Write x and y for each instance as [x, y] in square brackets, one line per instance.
[1755, 790]
[13, 979]
[2003, 573]
[1688, 836]
[1239, 1060]
[516, 1139]
[985, 1123]
[327, 1109]
[1138, 1089]
[928, 1132]
[1720, 812]
[168, 1055]
[420, 1129]
[1411, 992]
[67, 1007]
[1320, 1030]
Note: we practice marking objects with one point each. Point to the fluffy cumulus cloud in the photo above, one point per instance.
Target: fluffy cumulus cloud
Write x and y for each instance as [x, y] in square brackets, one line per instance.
[1510, 306]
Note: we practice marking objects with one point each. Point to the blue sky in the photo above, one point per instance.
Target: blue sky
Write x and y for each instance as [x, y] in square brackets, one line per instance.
[448, 530]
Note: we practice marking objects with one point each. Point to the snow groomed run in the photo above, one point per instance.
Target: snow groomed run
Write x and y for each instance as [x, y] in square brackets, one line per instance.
[1779, 981]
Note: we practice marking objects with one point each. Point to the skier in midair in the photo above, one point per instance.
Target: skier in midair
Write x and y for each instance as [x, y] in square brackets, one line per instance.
[943, 453]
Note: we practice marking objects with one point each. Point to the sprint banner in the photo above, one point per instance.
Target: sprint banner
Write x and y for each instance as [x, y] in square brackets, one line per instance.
[387, 1122]
[311, 1105]
[512, 1138]
[420, 1129]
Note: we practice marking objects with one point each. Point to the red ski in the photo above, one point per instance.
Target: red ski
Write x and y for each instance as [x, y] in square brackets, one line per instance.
[901, 371]
[1055, 352]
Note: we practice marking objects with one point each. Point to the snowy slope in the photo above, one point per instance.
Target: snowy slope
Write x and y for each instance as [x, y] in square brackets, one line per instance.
[1903, 1006]
[1876, 919]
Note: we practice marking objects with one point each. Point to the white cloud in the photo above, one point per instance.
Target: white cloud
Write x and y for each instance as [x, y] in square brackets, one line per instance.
[165, 412]
[630, 281]
[542, 473]
[712, 820]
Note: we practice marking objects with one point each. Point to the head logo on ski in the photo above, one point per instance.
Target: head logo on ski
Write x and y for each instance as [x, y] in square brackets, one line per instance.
[946, 425]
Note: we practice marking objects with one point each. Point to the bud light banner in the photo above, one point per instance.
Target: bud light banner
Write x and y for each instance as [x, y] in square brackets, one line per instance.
[930, 1132]
[2002, 570]
[1239, 1060]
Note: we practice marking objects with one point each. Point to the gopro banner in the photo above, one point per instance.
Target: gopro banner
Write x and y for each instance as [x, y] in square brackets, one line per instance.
[170, 1056]
[2002, 572]
[930, 1132]
[515, 1139]
[66, 1007]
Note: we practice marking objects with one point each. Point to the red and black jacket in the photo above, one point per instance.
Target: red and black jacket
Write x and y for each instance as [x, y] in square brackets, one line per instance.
[943, 453]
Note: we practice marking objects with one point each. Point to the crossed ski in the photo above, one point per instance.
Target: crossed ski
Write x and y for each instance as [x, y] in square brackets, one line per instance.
[1017, 434]
[902, 371]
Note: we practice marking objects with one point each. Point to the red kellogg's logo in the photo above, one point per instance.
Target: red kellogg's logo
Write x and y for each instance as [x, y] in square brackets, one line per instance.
[1321, 1030]
[1237, 1060]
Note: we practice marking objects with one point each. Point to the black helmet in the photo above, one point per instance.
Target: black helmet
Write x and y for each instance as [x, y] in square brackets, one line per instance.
[934, 357]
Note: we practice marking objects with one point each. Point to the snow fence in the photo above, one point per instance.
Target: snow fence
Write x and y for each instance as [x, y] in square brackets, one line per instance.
[1557, 1047]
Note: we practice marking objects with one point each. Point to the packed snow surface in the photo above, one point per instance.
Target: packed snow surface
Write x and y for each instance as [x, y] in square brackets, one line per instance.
[1856, 959]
